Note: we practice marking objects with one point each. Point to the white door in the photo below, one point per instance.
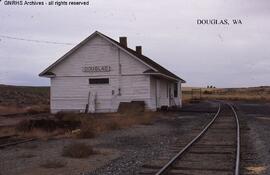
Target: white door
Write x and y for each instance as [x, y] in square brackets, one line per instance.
[92, 101]
[157, 93]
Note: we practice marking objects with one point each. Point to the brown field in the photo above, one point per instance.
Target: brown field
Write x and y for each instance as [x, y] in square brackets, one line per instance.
[258, 94]
[23, 99]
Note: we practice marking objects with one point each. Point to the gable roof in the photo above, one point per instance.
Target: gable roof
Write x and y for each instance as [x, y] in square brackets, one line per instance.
[158, 69]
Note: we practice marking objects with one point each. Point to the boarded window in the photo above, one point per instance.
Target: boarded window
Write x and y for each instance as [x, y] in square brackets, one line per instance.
[175, 90]
[99, 81]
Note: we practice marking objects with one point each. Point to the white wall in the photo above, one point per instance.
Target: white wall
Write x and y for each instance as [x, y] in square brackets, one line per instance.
[163, 94]
[178, 99]
[153, 101]
[70, 87]
[159, 90]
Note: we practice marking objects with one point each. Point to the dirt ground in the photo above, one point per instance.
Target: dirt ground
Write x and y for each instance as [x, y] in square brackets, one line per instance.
[121, 151]
[125, 151]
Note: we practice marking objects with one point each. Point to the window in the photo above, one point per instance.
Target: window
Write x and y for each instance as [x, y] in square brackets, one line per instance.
[175, 90]
[99, 81]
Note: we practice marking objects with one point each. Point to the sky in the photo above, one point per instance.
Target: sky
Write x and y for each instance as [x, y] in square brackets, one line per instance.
[218, 55]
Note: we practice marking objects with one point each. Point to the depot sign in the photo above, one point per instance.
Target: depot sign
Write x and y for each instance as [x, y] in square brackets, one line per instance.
[92, 69]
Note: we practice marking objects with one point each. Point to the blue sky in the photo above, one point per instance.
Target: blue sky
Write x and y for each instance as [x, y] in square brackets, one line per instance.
[219, 55]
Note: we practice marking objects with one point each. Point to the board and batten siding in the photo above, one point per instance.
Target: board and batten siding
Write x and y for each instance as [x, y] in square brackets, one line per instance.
[160, 92]
[70, 87]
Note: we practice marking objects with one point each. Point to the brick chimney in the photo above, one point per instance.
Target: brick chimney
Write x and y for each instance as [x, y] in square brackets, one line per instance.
[139, 49]
[123, 41]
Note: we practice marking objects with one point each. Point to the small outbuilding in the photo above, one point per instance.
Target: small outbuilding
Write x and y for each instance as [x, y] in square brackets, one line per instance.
[100, 73]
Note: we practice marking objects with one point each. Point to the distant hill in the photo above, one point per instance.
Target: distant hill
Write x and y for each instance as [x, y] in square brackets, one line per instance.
[24, 95]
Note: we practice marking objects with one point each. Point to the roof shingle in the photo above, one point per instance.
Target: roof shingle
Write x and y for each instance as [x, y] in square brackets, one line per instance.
[146, 60]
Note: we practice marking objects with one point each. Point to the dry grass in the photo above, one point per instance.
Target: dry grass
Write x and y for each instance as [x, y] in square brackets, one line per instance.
[48, 125]
[43, 129]
[260, 94]
[94, 124]
[11, 110]
[78, 150]
[54, 164]
[22, 99]
[23, 96]
[26, 156]
[86, 125]
[146, 119]
[37, 109]
[6, 131]
[29, 146]
[119, 121]
[69, 116]
[257, 169]
[86, 130]
[37, 133]
[32, 109]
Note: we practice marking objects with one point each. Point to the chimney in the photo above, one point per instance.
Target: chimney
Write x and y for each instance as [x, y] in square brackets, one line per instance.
[123, 41]
[139, 49]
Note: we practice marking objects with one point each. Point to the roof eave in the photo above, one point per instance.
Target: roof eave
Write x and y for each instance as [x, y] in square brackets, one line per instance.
[166, 76]
[47, 76]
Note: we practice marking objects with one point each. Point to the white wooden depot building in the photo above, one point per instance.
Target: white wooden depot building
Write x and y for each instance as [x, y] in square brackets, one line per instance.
[99, 73]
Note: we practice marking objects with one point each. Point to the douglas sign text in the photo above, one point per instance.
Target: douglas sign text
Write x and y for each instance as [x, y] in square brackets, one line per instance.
[96, 69]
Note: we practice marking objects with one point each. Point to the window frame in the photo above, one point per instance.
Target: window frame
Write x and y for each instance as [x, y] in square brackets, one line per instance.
[99, 81]
[175, 90]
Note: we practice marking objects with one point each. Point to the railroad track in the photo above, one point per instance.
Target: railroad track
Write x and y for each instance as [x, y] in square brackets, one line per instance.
[214, 151]
[12, 140]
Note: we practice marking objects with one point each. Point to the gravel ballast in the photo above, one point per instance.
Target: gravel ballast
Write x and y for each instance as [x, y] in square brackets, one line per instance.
[142, 144]
[255, 133]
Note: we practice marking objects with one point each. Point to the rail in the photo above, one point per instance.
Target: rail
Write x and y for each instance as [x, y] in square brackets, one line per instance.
[167, 166]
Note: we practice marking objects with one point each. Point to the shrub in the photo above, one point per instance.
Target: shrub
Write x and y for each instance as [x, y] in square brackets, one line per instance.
[68, 116]
[32, 111]
[53, 164]
[207, 92]
[146, 118]
[24, 126]
[87, 130]
[26, 156]
[46, 125]
[37, 109]
[113, 125]
[91, 125]
[77, 150]
[60, 115]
